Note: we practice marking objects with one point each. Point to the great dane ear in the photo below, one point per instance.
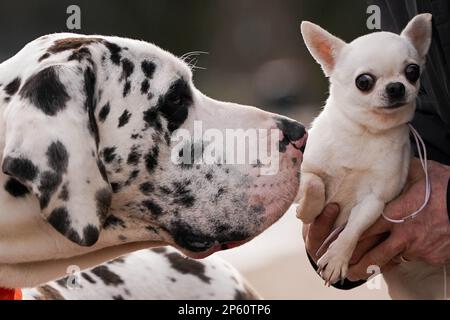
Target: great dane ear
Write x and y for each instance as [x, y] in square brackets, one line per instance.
[51, 147]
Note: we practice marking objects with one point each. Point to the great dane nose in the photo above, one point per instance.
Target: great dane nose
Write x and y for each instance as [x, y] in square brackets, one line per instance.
[395, 90]
[293, 132]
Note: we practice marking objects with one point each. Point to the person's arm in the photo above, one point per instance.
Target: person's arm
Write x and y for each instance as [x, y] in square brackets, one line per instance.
[425, 238]
[314, 235]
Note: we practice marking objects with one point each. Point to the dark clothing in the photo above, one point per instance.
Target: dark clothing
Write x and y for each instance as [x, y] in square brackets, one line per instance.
[432, 118]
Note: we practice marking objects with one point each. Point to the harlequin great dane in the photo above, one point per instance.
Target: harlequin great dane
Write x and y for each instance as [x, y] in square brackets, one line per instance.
[87, 167]
[158, 273]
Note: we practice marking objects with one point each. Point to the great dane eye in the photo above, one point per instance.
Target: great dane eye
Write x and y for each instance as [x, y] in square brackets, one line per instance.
[412, 72]
[365, 82]
[177, 101]
[179, 95]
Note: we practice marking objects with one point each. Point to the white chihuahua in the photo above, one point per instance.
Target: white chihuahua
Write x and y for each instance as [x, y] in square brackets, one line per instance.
[358, 150]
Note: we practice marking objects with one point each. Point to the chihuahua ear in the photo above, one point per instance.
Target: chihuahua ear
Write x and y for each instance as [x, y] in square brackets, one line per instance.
[418, 32]
[323, 46]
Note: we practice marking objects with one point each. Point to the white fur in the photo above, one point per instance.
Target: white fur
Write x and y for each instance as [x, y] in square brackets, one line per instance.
[150, 275]
[33, 252]
[358, 150]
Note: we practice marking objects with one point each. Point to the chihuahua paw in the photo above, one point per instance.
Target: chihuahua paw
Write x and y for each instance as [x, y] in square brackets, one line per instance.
[333, 266]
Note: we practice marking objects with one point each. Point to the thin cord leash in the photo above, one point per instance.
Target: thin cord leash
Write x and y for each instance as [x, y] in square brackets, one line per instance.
[423, 160]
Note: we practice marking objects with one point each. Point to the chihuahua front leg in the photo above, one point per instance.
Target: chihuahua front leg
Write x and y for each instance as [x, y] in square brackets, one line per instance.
[333, 265]
[312, 197]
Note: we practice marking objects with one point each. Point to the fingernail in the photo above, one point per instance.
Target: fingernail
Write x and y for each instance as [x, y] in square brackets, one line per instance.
[352, 278]
[332, 209]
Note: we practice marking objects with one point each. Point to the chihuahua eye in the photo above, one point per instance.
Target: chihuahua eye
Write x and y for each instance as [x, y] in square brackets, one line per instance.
[412, 72]
[365, 82]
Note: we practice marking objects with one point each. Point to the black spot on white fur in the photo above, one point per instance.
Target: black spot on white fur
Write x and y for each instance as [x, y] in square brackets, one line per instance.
[146, 188]
[104, 111]
[103, 198]
[12, 87]
[188, 266]
[20, 168]
[88, 278]
[80, 54]
[183, 195]
[151, 117]
[109, 154]
[116, 186]
[133, 175]
[49, 182]
[154, 208]
[134, 156]
[145, 85]
[124, 118]
[44, 56]
[57, 157]
[113, 221]
[126, 88]
[102, 169]
[115, 51]
[127, 68]
[187, 237]
[151, 159]
[148, 67]
[15, 188]
[64, 193]
[90, 103]
[175, 103]
[60, 220]
[108, 277]
[45, 91]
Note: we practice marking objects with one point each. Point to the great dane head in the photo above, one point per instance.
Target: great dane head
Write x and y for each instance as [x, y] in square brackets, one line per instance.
[108, 146]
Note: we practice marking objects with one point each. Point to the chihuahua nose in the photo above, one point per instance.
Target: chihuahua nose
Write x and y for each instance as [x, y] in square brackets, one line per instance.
[395, 90]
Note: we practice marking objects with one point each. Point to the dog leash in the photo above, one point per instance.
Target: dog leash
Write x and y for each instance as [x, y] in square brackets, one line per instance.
[423, 160]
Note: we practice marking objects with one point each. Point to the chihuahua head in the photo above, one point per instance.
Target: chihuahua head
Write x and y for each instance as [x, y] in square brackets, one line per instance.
[374, 80]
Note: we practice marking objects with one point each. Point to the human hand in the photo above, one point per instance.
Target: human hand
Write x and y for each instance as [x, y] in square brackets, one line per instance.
[425, 238]
[315, 233]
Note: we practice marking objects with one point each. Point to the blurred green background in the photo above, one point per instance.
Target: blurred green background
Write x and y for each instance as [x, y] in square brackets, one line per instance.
[256, 54]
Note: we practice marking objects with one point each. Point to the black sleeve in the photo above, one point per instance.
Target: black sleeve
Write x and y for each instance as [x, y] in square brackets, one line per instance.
[432, 118]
